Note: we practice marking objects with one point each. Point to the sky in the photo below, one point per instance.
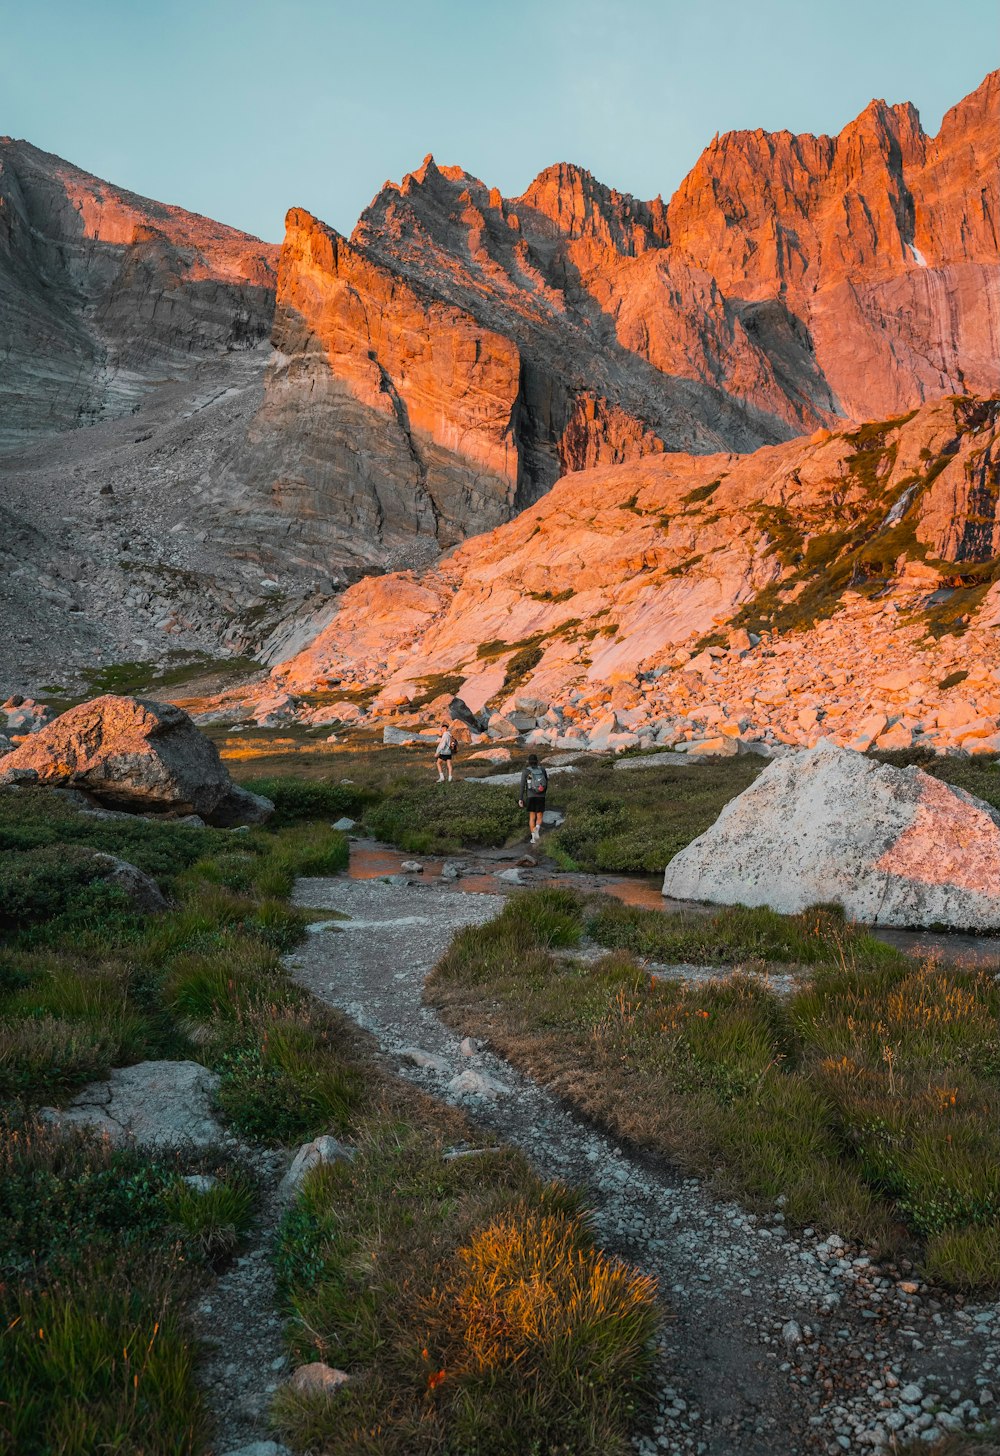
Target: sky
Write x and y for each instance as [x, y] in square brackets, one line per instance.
[240, 109]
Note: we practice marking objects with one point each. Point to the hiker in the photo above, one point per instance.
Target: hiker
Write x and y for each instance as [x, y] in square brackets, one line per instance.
[534, 782]
[444, 752]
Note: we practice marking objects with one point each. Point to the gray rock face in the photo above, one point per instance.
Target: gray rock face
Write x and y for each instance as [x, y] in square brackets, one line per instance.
[892, 846]
[135, 754]
[105, 292]
[157, 1104]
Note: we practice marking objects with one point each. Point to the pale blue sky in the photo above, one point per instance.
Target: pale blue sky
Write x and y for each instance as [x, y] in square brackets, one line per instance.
[241, 108]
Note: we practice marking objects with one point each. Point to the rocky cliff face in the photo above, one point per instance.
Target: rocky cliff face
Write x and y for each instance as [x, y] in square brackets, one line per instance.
[882, 242]
[804, 589]
[485, 345]
[103, 293]
[436, 374]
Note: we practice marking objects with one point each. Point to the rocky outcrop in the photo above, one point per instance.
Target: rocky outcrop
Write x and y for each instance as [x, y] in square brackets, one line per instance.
[132, 754]
[811, 588]
[891, 846]
[103, 292]
[483, 345]
[439, 371]
[881, 242]
[154, 1104]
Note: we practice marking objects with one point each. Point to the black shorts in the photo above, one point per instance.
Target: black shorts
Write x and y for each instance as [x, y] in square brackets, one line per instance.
[535, 803]
[443, 757]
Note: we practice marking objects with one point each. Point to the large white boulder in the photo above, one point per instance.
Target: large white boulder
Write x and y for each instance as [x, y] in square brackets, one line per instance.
[892, 846]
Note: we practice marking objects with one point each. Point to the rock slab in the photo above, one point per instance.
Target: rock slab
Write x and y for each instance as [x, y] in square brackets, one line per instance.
[156, 1104]
[892, 846]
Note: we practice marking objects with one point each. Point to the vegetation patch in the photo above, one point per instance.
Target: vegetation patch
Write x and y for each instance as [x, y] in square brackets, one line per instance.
[640, 823]
[870, 1099]
[101, 1249]
[464, 1297]
[441, 819]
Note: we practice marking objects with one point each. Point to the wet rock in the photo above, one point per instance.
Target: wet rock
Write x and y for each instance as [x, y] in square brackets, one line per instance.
[412, 867]
[344, 825]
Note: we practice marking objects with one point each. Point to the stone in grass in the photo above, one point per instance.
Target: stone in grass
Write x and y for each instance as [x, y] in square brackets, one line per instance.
[891, 846]
[200, 1182]
[324, 1149]
[344, 824]
[143, 893]
[469, 1046]
[318, 1379]
[429, 1061]
[156, 1104]
[135, 754]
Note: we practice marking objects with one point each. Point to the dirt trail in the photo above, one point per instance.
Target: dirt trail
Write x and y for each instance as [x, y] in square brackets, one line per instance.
[760, 1328]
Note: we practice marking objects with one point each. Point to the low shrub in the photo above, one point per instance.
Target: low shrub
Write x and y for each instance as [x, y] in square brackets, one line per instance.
[445, 818]
[297, 799]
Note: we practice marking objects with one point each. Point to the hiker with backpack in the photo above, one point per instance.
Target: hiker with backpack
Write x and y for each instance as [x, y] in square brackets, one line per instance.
[534, 783]
[445, 751]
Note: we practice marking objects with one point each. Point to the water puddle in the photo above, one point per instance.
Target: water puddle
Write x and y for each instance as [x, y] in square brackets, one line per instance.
[480, 870]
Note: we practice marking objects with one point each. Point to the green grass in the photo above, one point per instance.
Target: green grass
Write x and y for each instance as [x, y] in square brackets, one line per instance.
[870, 1098]
[616, 822]
[757, 937]
[99, 1255]
[444, 818]
[637, 822]
[465, 1299]
[100, 1249]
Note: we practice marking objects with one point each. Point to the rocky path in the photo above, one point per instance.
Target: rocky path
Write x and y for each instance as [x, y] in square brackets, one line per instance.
[771, 1343]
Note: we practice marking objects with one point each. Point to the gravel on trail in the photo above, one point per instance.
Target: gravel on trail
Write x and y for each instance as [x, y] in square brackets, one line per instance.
[772, 1343]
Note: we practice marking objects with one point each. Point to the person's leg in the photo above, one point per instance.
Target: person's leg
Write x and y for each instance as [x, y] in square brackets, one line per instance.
[440, 768]
[449, 770]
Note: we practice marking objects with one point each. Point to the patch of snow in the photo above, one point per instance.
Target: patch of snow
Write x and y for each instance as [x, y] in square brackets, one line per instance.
[918, 256]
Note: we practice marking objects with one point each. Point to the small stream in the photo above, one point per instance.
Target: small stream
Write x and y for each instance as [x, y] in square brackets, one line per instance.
[480, 869]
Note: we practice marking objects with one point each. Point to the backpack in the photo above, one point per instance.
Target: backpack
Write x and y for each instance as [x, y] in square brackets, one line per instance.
[538, 779]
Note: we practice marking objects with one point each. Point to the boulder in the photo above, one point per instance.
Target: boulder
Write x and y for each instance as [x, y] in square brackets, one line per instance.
[157, 1104]
[134, 754]
[142, 892]
[323, 1149]
[892, 846]
[500, 727]
[5, 745]
[460, 712]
